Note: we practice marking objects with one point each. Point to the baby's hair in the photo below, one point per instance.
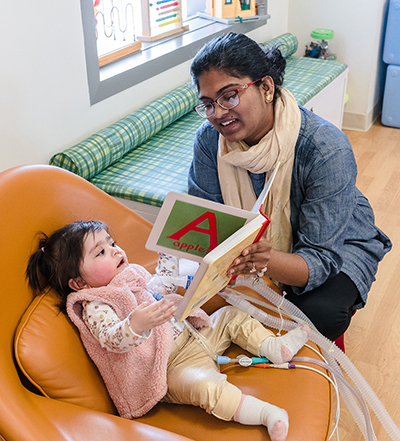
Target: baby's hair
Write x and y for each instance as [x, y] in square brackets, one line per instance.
[239, 56]
[58, 258]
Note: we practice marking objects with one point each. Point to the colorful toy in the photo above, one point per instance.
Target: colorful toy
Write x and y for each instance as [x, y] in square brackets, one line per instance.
[160, 19]
[231, 8]
[320, 49]
[115, 30]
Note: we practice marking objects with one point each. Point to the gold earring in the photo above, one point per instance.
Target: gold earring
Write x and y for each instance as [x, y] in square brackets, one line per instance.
[269, 98]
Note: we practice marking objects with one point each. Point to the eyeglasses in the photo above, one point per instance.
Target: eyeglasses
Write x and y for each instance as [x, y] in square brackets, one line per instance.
[227, 100]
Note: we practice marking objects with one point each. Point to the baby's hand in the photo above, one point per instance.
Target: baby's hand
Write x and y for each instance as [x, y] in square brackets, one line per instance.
[148, 315]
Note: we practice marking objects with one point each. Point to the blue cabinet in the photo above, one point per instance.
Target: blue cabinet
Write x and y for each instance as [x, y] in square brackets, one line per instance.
[391, 56]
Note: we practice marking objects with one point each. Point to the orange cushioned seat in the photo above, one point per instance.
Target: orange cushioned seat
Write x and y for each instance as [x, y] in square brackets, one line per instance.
[50, 388]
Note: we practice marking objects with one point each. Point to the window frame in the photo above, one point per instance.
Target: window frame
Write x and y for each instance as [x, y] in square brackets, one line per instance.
[111, 79]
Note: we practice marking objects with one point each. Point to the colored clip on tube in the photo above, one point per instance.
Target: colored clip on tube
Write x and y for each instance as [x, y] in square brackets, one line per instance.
[243, 360]
[275, 366]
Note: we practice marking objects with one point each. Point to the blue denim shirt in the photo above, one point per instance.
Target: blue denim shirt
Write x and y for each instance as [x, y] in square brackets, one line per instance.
[332, 221]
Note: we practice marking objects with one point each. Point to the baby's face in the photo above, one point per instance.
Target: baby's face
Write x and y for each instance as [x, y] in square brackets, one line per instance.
[102, 260]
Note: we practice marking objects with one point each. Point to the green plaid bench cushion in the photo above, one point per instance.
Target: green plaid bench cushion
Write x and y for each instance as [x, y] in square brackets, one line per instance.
[109, 145]
[148, 153]
[158, 166]
[287, 44]
[305, 77]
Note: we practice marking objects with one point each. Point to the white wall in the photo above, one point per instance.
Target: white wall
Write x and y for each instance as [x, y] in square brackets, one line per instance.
[44, 105]
[358, 27]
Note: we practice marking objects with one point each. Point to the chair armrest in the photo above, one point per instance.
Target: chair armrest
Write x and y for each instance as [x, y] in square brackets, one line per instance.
[64, 421]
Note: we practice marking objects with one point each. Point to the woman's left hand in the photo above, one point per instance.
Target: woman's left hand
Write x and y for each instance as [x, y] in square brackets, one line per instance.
[254, 259]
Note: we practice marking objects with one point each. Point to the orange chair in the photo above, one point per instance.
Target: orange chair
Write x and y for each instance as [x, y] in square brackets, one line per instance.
[50, 389]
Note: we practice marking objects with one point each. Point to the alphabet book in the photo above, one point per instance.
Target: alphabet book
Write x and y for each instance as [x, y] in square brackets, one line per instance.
[207, 232]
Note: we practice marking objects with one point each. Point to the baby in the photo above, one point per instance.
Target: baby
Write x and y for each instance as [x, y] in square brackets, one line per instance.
[142, 353]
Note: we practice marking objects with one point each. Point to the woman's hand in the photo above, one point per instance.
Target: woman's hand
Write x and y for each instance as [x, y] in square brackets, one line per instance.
[260, 258]
[254, 259]
[149, 315]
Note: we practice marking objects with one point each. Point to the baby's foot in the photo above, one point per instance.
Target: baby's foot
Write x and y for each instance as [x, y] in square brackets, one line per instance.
[253, 411]
[279, 431]
[277, 422]
[282, 349]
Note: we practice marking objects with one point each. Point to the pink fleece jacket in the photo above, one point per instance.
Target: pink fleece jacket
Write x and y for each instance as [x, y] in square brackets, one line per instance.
[136, 380]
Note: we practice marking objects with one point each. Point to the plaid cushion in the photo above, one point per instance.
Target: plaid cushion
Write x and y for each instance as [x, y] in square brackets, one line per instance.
[107, 146]
[287, 44]
[158, 166]
[305, 77]
[148, 153]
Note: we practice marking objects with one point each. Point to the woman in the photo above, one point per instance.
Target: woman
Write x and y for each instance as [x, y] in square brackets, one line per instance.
[322, 245]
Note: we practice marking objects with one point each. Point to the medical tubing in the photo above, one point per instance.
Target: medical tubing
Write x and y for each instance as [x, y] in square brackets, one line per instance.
[295, 313]
[349, 400]
[338, 375]
[234, 298]
[337, 357]
[195, 333]
[334, 385]
[274, 308]
[183, 281]
[333, 353]
[275, 298]
[201, 339]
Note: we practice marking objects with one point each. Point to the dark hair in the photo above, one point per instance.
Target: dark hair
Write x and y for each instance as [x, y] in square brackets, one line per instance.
[59, 257]
[239, 56]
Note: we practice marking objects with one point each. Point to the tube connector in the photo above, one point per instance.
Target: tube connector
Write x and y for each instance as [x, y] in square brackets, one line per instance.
[157, 295]
[276, 366]
[258, 360]
[183, 281]
[222, 359]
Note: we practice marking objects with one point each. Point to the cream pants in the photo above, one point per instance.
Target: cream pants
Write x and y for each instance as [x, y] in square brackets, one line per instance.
[194, 378]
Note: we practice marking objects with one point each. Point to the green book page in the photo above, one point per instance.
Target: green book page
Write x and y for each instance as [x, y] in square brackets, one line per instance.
[197, 230]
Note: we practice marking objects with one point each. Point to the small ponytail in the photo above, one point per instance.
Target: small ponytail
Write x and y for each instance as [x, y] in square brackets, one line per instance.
[58, 258]
[35, 269]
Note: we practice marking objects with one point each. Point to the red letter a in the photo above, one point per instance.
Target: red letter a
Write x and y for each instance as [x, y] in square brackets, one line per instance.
[212, 231]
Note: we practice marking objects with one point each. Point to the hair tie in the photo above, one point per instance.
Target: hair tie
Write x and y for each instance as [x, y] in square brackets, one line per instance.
[42, 249]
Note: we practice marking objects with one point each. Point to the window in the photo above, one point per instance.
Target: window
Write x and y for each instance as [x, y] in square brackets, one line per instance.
[153, 57]
[122, 26]
[116, 24]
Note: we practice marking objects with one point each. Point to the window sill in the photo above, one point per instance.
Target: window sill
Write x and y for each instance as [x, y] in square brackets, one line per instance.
[153, 58]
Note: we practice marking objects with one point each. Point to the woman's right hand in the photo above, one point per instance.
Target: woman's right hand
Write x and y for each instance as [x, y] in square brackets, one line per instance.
[253, 259]
[149, 315]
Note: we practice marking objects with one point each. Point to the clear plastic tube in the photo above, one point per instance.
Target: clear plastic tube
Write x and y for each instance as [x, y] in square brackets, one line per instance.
[335, 357]
[235, 299]
[338, 375]
[201, 339]
[338, 358]
[183, 281]
[158, 283]
[334, 385]
[276, 309]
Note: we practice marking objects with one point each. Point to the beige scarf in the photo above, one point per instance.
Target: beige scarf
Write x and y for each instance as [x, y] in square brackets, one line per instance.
[234, 159]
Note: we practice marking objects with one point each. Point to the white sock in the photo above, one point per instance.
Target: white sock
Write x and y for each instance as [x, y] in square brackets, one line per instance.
[254, 412]
[282, 349]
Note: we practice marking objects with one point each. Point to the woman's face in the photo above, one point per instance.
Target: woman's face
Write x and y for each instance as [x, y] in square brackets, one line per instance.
[251, 119]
